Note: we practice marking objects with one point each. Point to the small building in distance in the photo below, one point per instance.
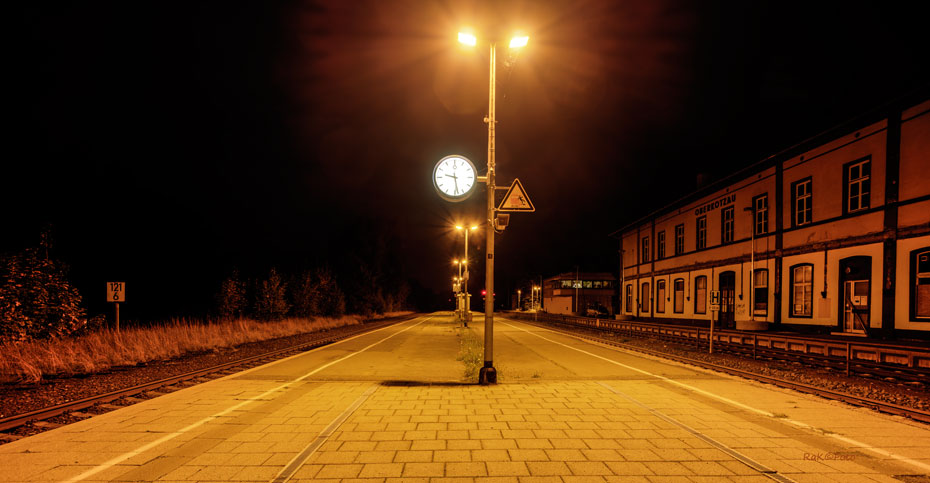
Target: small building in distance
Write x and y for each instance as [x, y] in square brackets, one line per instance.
[830, 236]
[575, 293]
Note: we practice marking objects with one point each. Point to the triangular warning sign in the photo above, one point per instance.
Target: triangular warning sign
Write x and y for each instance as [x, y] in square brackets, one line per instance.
[516, 199]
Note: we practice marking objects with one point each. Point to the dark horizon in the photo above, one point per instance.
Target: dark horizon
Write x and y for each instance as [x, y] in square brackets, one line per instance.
[168, 145]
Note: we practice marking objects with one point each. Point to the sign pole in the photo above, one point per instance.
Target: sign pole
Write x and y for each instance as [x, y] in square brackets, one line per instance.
[713, 315]
[116, 293]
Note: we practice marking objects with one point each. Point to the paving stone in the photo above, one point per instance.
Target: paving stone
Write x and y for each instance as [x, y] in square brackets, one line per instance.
[473, 468]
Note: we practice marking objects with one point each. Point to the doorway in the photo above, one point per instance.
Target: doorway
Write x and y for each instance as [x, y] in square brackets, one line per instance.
[727, 287]
[855, 303]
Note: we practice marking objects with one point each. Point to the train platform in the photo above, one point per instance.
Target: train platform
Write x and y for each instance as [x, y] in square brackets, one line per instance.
[400, 404]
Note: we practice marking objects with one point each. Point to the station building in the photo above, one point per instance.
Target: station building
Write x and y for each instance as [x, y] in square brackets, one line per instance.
[829, 236]
[573, 292]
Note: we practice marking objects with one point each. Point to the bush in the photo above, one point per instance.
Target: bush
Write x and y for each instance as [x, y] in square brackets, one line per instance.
[36, 299]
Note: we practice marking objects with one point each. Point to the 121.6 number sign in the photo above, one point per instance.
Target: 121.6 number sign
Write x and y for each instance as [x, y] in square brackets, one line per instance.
[116, 291]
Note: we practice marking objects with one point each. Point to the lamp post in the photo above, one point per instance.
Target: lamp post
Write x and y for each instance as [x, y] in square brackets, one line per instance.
[487, 374]
[752, 261]
[459, 281]
[467, 308]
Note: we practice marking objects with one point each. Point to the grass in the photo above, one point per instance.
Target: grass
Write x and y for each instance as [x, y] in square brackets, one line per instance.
[471, 352]
[31, 361]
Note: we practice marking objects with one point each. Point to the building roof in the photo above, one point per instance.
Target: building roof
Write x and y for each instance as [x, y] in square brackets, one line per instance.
[863, 120]
[584, 276]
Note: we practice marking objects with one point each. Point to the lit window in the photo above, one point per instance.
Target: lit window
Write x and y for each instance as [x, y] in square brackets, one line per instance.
[858, 182]
[644, 298]
[679, 239]
[802, 289]
[700, 295]
[802, 193]
[920, 284]
[760, 294]
[679, 295]
[726, 225]
[660, 296]
[660, 245]
[629, 298]
[761, 214]
[701, 239]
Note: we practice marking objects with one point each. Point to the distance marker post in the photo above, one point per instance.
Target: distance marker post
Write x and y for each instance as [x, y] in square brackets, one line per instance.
[116, 293]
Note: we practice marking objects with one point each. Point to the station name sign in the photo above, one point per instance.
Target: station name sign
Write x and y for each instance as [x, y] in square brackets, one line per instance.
[713, 205]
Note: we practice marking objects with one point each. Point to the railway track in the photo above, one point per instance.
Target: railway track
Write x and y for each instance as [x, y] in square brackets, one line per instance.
[102, 402]
[587, 333]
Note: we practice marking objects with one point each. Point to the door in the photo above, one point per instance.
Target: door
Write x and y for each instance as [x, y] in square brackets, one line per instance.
[727, 287]
[855, 303]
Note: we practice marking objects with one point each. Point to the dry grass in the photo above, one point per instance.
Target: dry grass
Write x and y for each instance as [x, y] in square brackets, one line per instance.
[99, 351]
[471, 352]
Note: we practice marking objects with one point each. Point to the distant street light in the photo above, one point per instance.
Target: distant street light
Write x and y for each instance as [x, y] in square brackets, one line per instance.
[487, 374]
[467, 308]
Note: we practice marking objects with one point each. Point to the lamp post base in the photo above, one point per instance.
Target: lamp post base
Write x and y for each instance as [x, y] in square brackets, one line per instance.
[487, 374]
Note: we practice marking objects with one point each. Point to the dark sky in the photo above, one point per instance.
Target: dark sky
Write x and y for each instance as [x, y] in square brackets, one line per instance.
[168, 142]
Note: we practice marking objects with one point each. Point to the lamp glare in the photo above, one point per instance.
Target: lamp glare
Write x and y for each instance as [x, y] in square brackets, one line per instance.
[467, 39]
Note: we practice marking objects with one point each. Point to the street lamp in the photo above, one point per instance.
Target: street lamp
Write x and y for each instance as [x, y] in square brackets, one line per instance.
[487, 374]
[458, 281]
[467, 314]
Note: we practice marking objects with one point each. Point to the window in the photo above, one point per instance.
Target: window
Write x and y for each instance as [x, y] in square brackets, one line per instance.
[760, 292]
[726, 226]
[660, 245]
[857, 183]
[802, 289]
[629, 298]
[760, 210]
[644, 250]
[679, 239]
[700, 294]
[566, 284]
[644, 302]
[679, 295]
[701, 239]
[802, 199]
[920, 284]
[660, 296]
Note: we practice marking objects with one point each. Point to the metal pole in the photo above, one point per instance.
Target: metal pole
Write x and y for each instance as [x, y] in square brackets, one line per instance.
[576, 283]
[710, 340]
[752, 267]
[487, 374]
[460, 298]
[467, 309]
[117, 317]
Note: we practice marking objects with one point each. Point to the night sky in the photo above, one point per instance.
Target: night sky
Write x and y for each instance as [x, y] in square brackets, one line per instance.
[167, 143]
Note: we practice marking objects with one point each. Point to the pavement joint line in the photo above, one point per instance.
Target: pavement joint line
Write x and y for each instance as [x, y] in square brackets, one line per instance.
[722, 447]
[731, 402]
[288, 471]
[169, 436]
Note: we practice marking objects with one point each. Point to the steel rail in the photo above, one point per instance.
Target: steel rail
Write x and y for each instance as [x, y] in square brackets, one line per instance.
[17, 420]
[915, 414]
[902, 362]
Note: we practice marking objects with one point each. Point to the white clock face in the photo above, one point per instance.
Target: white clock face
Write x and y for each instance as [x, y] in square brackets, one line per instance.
[454, 178]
